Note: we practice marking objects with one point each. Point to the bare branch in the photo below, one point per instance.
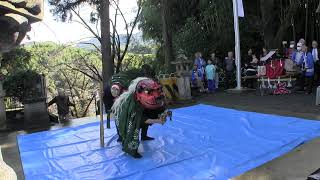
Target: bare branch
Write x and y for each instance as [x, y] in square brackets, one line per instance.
[129, 36]
[123, 17]
[71, 93]
[88, 106]
[95, 46]
[81, 71]
[86, 25]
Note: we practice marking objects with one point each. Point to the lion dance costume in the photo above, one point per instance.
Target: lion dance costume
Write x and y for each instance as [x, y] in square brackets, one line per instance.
[143, 104]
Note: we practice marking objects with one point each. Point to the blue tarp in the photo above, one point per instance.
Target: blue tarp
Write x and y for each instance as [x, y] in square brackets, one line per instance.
[202, 142]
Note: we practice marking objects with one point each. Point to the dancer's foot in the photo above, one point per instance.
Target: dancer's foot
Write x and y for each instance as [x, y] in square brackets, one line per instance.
[147, 138]
[119, 139]
[137, 155]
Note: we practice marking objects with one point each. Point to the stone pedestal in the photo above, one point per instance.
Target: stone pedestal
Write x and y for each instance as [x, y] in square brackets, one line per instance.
[318, 95]
[183, 76]
[3, 124]
[183, 83]
[36, 115]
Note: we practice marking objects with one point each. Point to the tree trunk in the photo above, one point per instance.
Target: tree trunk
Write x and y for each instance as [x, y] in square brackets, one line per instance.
[267, 18]
[166, 33]
[107, 61]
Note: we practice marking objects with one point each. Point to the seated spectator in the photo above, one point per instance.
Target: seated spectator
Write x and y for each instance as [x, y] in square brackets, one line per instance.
[247, 58]
[197, 78]
[251, 70]
[255, 61]
[264, 51]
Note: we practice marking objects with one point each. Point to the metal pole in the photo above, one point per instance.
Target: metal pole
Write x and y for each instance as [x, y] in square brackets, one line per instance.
[237, 43]
[101, 116]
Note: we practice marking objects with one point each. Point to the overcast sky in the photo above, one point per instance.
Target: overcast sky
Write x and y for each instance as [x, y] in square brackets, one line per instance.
[63, 32]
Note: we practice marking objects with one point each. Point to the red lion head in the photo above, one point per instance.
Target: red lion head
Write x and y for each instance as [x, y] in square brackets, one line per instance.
[149, 94]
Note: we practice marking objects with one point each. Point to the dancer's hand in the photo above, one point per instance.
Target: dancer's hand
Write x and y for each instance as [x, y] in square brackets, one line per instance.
[155, 121]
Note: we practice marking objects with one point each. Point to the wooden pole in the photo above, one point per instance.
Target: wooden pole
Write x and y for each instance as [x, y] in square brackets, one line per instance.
[101, 115]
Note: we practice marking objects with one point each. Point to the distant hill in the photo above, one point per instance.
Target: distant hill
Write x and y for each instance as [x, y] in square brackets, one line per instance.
[136, 39]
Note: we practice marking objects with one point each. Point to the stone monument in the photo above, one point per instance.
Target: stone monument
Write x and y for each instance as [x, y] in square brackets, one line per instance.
[35, 104]
[2, 108]
[183, 76]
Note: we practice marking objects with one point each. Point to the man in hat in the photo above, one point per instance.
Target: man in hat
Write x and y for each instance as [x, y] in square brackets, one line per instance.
[315, 54]
[307, 67]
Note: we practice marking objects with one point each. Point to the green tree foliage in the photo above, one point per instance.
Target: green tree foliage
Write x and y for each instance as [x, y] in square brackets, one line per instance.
[70, 69]
[65, 9]
[15, 60]
[15, 84]
[207, 25]
[135, 61]
[76, 71]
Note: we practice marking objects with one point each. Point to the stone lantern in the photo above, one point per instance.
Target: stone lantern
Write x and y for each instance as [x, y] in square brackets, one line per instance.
[182, 64]
[35, 103]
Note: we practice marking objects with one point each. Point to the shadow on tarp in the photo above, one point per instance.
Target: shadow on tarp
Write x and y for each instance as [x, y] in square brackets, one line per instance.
[202, 142]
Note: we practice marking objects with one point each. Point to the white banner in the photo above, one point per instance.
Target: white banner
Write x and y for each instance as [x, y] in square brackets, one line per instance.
[240, 8]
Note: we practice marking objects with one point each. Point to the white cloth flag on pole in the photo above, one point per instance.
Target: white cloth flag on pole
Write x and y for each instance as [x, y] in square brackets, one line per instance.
[240, 8]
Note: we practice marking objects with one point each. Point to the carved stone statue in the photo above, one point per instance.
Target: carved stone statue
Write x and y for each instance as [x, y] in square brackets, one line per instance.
[16, 16]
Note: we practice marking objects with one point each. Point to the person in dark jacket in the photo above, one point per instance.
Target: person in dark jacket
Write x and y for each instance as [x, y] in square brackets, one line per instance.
[229, 63]
[63, 103]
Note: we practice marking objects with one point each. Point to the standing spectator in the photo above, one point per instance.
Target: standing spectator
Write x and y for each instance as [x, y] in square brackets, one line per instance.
[229, 69]
[284, 47]
[210, 74]
[63, 103]
[302, 41]
[307, 64]
[199, 61]
[291, 50]
[297, 55]
[315, 54]
[218, 65]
